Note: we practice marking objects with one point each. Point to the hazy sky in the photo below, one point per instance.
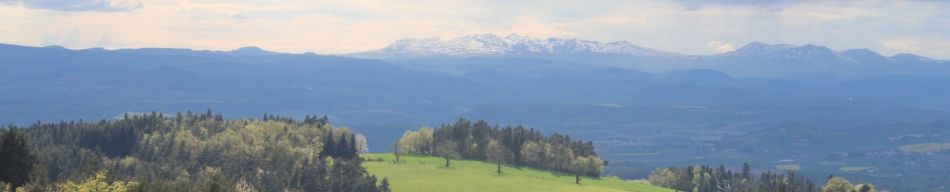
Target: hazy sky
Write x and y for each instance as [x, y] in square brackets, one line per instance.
[687, 26]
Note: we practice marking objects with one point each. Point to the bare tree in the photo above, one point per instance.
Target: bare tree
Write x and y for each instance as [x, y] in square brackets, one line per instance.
[448, 150]
[498, 153]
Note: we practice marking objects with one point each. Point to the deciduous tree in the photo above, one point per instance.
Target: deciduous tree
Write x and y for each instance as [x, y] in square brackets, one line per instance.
[448, 150]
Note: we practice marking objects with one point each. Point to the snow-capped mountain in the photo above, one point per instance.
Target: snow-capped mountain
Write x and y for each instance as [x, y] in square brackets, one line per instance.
[491, 44]
[518, 45]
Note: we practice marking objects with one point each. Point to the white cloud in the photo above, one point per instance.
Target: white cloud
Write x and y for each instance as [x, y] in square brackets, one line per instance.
[719, 46]
[71, 39]
[51, 39]
[104, 41]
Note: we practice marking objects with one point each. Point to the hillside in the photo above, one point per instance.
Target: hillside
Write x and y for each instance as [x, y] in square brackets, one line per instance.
[422, 174]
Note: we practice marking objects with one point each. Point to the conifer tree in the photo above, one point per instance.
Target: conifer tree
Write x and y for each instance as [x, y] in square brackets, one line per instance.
[16, 159]
[384, 185]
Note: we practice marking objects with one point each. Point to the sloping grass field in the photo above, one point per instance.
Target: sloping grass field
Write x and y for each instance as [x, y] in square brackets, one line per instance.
[424, 174]
[926, 147]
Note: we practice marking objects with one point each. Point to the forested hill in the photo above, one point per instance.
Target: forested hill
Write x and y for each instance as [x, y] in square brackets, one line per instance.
[187, 152]
[206, 152]
[512, 145]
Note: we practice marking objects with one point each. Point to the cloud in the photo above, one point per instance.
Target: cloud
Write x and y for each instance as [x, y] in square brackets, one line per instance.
[78, 5]
[51, 39]
[720, 47]
[71, 39]
[104, 41]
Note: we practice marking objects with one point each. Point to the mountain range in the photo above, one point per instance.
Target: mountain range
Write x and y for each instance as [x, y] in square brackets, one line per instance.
[418, 80]
[753, 59]
[494, 45]
[518, 45]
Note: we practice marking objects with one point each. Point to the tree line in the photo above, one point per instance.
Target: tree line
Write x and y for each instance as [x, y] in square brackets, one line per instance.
[510, 145]
[186, 152]
[703, 178]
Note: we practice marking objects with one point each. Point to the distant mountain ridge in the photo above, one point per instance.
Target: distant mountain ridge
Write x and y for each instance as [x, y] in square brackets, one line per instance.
[479, 51]
[810, 51]
[513, 44]
[528, 55]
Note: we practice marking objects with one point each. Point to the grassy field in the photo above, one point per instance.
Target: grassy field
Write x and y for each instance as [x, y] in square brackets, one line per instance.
[789, 167]
[926, 147]
[421, 174]
[857, 169]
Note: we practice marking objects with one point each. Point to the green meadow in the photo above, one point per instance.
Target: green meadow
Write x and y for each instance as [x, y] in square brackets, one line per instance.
[422, 174]
[926, 147]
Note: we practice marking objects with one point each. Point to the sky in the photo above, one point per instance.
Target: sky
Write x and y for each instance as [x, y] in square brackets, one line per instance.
[344, 26]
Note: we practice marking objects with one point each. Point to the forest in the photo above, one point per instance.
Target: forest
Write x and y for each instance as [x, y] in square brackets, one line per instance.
[703, 178]
[185, 152]
[510, 145]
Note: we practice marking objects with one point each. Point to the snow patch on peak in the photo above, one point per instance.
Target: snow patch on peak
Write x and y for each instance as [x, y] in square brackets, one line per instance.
[756, 46]
[512, 44]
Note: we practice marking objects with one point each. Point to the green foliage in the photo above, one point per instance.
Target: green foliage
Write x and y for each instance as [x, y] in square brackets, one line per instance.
[838, 184]
[425, 173]
[205, 152]
[416, 142]
[708, 179]
[664, 177]
[507, 145]
[97, 183]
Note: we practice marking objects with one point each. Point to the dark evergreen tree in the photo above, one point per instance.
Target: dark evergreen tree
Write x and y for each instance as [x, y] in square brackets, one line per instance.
[329, 145]
[746, 172]
[384, 186]
[16, 159]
